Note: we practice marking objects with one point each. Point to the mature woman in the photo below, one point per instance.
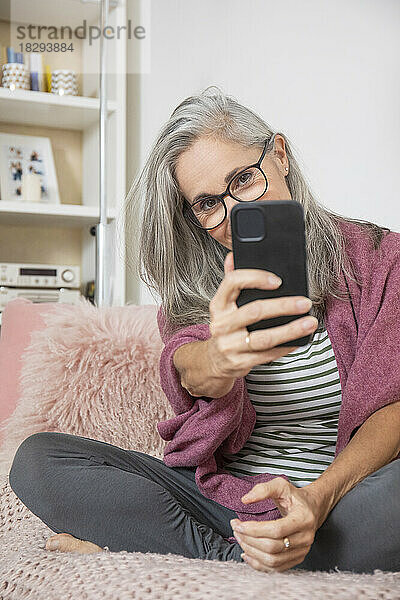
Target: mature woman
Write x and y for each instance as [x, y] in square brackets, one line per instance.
[295, 448]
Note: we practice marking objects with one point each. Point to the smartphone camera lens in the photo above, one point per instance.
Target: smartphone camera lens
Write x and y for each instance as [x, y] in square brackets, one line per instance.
[250, 224]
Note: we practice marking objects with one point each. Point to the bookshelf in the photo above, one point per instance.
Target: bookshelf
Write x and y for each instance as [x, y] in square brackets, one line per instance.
[58, 215]
[42, 108]
[72, 123]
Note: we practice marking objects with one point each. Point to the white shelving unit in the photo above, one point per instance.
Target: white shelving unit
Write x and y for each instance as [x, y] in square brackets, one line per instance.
[81, 113]
[59, 215]
[49, 110]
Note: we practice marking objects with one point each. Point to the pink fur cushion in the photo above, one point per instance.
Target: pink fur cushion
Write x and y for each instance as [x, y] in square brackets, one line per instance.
[92, 372]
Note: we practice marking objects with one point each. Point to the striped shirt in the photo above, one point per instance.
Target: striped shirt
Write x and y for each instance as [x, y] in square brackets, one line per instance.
[297, 400]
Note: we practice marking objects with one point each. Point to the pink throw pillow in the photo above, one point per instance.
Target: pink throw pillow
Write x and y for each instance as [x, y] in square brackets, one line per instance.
[19, 319]
[92, 372]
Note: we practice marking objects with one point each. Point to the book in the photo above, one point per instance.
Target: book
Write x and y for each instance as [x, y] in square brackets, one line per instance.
[36, 69]
[47, 72]
[3, 55]
[10, 54]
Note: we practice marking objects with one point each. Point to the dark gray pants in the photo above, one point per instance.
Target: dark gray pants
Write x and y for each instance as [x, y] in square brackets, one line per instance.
[128, 500]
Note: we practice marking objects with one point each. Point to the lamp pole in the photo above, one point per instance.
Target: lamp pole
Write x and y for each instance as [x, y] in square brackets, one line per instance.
[101, 229]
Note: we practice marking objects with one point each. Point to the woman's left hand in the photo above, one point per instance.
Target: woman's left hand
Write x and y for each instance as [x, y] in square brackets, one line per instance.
[262, 541]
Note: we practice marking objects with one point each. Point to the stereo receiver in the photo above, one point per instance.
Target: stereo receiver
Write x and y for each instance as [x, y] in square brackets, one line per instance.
[39, 276]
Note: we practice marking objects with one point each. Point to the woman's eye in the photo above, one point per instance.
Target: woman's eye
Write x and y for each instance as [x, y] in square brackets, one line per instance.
[244, 178]
[207, 203]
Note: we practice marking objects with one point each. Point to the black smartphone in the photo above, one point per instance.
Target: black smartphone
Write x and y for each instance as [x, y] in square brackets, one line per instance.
[270, 235]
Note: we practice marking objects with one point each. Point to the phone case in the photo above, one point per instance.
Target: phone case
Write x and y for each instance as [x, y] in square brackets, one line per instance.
[281, 250]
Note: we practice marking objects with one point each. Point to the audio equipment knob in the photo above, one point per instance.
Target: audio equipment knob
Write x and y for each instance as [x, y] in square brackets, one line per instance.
[67, 275]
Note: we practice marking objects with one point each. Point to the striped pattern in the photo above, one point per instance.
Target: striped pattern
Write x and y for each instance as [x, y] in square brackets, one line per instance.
[297, 400]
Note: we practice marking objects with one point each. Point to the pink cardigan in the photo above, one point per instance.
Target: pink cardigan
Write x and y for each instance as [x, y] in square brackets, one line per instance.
[368, 359]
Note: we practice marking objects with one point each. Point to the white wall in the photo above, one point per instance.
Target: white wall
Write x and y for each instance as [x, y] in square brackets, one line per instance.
[325, 73]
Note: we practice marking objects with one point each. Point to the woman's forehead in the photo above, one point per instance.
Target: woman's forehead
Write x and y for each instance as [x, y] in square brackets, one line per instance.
[208, 162]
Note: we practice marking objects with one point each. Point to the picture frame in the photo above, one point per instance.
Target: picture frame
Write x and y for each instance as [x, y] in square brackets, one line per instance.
[22, 154]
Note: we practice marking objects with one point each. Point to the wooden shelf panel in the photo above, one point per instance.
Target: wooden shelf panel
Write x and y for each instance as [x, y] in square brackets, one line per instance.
[50, 110]
[57, 215]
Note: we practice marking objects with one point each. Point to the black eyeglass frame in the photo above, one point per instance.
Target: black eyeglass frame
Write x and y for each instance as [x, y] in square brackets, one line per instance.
[187, 207]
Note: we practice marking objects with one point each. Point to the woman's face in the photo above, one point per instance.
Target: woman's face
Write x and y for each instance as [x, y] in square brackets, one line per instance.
[205, 165]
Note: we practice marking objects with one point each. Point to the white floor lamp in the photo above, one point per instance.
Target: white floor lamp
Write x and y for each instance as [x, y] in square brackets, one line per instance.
[103, 296]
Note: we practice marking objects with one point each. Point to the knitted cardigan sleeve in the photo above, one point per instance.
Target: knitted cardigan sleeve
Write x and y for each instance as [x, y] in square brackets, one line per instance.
[201, 424]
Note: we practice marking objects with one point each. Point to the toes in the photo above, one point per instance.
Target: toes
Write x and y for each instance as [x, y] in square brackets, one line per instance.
[52, 544]
[65, 542]
[61, 541]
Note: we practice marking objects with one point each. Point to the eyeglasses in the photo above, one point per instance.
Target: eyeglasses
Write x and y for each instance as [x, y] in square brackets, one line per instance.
[248, 185]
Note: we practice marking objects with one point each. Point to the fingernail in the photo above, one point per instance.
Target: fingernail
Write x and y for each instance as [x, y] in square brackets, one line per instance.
[53, 545]
[275, 280]
[308, 324]
[303, 304]
[233, 522]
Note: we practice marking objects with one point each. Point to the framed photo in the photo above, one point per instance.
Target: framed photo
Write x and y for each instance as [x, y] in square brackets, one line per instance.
[23, 154]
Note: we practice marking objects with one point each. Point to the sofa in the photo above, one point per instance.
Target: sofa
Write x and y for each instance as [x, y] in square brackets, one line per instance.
[94, 372]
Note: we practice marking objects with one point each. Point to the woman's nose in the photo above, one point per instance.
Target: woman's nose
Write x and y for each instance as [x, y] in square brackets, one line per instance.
[230, 203]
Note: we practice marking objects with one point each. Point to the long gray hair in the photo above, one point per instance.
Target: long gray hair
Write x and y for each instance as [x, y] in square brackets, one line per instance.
[183, 263]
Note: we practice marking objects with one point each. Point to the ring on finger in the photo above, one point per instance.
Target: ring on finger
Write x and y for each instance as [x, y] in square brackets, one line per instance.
[248, 342]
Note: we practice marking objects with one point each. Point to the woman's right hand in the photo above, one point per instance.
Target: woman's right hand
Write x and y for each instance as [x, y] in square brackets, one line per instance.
[229, 355]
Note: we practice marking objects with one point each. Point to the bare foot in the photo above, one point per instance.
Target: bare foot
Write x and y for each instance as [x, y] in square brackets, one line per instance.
[68, 543]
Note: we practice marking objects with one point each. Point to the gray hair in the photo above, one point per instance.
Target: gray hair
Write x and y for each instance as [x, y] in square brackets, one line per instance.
[182, 262]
